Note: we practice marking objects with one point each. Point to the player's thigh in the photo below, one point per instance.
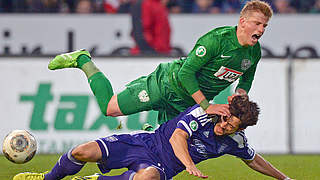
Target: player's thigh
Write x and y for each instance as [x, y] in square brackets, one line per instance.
[149, 173]
[87, 152]
[142, 94]
[123, 151]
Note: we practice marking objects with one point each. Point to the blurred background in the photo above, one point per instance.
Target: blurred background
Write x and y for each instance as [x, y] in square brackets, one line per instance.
[129, 38]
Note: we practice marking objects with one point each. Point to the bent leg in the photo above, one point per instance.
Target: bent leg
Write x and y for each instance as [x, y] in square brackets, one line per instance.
[88, 152]
[73, 161]
[113, 107]
[102, 90]
[140, 95]
[99, 84]
[118, 153]
[66, 165]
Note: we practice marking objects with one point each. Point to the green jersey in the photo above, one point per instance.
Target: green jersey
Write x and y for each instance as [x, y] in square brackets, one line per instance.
[215, 62]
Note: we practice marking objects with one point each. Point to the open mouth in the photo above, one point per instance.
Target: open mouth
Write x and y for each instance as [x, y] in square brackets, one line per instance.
[256, 36]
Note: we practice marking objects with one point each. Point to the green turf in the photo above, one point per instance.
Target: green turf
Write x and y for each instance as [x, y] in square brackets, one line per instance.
[300, 167]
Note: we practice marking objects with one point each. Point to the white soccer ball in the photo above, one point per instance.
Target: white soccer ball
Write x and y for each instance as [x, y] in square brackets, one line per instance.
[19, 146]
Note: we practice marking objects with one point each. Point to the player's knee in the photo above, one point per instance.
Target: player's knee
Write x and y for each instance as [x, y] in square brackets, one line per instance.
[113, 107]
[150, 173]
[87, 152]
[80, 153]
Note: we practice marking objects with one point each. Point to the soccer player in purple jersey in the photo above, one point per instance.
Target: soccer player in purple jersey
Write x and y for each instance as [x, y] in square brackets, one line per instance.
[176, 145]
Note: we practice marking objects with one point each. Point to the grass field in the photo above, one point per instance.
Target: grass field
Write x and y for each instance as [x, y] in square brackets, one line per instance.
[300, 167]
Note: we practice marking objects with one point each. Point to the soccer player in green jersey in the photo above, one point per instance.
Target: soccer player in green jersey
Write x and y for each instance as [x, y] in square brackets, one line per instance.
[218, 58]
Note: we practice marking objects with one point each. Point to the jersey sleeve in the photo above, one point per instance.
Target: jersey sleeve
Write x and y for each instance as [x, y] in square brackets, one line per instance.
[246, 79]
[205, 49]
[242, 149]
[193, 121]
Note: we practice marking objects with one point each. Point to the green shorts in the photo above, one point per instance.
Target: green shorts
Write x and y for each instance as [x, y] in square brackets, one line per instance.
[152, 92]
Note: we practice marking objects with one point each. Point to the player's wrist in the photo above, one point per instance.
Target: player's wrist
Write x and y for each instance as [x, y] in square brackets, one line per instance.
[204, 104]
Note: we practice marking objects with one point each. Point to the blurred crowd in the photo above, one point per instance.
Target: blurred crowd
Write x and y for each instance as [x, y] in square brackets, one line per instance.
[174, 6]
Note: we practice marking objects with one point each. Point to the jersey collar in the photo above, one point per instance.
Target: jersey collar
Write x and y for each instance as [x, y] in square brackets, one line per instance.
[235, 38]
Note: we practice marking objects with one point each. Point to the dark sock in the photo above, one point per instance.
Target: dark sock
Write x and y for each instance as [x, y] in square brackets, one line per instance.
[82, 59]
[128, 175]
[66, 165]
[102, 89]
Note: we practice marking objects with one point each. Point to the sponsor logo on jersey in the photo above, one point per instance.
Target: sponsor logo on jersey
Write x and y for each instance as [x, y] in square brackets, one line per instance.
[245, 64]
[227, 74]
[201, 51]
[193, 125]
[143, 96]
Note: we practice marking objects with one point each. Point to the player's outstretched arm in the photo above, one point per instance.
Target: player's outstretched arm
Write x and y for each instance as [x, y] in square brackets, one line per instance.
[179, 145]
[261, 165]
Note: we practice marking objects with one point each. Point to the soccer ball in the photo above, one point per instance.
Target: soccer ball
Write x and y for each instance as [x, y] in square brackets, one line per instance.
[19, 146]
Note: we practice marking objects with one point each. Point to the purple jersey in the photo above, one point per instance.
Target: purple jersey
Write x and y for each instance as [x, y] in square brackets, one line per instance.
[131, 150]
[203, 143]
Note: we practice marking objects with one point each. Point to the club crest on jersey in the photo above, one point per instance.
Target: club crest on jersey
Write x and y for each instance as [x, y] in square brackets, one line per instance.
[227, 74]
[201, 51]
[193, 125]
[143, 96]
[245, 64]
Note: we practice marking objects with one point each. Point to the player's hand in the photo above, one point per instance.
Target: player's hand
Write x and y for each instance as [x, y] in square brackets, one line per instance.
[193, 170]
[219, 109]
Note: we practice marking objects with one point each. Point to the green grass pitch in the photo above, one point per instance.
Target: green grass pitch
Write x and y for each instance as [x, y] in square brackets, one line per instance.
[300, 167]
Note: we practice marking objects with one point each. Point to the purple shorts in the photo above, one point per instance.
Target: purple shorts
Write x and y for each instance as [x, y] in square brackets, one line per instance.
[126, 151]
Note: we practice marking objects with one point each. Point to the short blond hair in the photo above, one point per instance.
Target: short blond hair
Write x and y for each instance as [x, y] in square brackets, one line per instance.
[257, 6]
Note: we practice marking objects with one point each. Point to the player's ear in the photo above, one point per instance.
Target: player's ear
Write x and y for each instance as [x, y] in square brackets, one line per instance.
[242, 21]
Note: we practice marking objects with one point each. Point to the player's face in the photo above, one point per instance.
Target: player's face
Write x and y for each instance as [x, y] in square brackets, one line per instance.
[227, 125]
[253, 26]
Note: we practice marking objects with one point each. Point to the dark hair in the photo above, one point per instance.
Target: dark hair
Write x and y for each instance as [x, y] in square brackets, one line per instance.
[247, 111]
